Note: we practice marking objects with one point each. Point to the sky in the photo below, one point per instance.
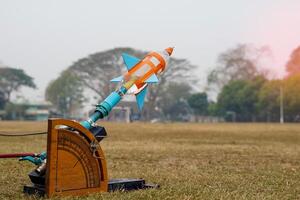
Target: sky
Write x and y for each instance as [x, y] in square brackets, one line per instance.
[45, 37]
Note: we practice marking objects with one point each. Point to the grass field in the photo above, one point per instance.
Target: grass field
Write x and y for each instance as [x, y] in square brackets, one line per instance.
[189, 161]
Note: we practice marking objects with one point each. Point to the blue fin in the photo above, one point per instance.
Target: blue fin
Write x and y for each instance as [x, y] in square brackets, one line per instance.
[118, 79]
[152, 79]
[130, 61]
[140, 98]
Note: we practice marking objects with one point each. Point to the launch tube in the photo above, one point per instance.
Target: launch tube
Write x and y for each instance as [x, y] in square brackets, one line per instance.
[104, 108]
[139, 74]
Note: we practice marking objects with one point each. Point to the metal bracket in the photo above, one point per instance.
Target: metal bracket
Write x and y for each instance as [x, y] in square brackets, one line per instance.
[94, 145]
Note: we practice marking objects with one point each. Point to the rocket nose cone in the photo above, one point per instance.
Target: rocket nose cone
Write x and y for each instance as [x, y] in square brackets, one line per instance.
[169, 50]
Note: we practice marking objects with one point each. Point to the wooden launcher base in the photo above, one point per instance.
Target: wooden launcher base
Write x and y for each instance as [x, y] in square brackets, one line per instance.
[76, 164]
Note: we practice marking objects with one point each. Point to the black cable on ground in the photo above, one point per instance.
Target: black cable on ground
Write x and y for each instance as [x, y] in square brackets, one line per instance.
[7, 134]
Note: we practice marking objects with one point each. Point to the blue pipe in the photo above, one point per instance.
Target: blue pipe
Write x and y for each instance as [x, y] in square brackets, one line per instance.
[104, 108]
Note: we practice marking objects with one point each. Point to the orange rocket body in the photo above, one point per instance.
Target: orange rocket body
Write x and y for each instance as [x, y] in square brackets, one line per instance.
[153, 63]
[144, 71]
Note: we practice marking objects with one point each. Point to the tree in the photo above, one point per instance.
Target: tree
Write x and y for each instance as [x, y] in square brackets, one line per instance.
[291, 97]
[293, 65]
[248, 98]
[212, 109]
[269, 100]
[65, 93]
[240, 97]
[11, 80]
[239, 63]
[96, 71]
[2, 100]
[199, 103]
[228, 99]
[173, 101]
[179, 71]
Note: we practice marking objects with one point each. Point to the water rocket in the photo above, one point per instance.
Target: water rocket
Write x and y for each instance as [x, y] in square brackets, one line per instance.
[140, 73]
[145, 71]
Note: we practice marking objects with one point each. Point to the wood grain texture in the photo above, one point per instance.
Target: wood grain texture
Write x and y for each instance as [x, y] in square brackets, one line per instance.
[72, 168]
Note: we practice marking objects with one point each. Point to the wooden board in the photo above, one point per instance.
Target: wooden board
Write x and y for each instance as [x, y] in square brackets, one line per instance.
[72, 167]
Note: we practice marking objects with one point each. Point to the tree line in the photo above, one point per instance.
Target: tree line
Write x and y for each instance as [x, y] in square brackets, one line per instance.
[248, 95]
[242, 87]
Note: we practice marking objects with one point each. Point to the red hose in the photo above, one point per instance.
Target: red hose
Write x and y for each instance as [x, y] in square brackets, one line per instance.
[16, 155]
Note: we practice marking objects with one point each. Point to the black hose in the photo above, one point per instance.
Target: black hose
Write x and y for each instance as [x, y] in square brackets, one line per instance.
[7, 134]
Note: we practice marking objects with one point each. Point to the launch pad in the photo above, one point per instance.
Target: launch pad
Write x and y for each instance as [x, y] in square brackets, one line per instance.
[76, 164]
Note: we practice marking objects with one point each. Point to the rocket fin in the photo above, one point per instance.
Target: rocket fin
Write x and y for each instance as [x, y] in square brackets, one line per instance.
[118, 79]
[130, 61]
[140, 98]
[152, 79]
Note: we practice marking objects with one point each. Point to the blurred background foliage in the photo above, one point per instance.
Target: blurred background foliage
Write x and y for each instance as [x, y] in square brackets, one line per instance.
[243, 89]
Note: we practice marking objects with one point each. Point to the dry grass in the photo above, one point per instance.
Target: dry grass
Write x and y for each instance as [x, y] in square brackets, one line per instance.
[189, 161]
